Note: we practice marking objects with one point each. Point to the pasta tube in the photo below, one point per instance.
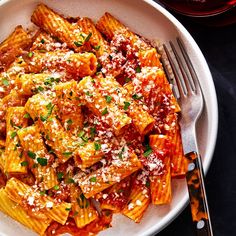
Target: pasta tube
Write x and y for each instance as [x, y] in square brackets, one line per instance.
[14, 157]
[109, 87]
[13, 46]
[160, 184]
[38, 157]
[139, 198]
[41, 108]
[109, 175]
[69, 106]
[31, 200]
[109, 112]
[20, 214]
[29, 84]
[74, 64]
[83, 211]
[57, 26]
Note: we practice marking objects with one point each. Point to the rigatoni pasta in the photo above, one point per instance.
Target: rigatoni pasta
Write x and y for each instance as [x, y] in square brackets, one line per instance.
[88, 125]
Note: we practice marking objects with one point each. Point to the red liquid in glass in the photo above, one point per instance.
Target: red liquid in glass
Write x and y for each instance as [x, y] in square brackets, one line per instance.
[199, 7]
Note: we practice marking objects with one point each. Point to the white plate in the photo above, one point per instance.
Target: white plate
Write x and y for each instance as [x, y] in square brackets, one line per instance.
[149, 19]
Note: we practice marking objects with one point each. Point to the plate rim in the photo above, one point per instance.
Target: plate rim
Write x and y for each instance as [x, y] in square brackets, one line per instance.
[214, 109]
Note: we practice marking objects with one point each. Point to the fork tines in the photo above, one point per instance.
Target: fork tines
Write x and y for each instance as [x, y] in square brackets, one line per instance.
[182, 68]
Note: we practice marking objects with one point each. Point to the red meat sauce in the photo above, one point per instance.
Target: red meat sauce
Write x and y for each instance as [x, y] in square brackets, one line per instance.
[103, 222]
[117, 196]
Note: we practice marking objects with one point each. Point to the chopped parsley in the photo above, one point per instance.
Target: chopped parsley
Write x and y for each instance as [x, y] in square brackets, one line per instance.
[5, 81]
[78, 43]
[127, 79]
[99, 66]
[138, 69]
[85, 139]
[32, 155]
[42, 41]
[68, 209]
[24, 163]
[148, 151]
[89, 94]
[49, 108]
[97, 47]
[121, 153]
[81, 134]
[30, 54]
[93, 179]
[97, 146]
[136, 97]
[67, 154]
[13, 134]
[92, 131]
[60, 175]
[26, 115]
[40, 89]
[42, 192]
[88, 37]
[104, 112]
[56, 187]
[147, 184]
[108, 98]
[69, 122]
[70, 181]
[50, 80]
[42, 161]
[126, 106]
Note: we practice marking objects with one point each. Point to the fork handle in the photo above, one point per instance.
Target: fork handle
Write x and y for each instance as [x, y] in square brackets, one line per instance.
[197, 194]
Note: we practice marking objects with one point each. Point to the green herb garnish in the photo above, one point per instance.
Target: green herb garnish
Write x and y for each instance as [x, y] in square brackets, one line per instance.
[27, 116]
[97, 47]
[60, 175]
[42, 161]
[127, 79]
[147, 152]
[69, 122]
[88, 37]
[78, 43]
[13, 134]
[42, 192]
[92, 131]
[89, 94]
[30, 54]
[40, 89]
[138, 69]
[24, 163]
[104, 112]
[126, 106]
[49, 108]
[108, 98]
[97, 146]
[56, 187]
[136, 97]
[70, 181]
[93, 179]
[81, 134]
[5, 81]
[32, 155]
[67, 154]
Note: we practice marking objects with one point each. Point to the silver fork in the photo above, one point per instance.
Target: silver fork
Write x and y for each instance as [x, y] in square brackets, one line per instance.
[191, 101]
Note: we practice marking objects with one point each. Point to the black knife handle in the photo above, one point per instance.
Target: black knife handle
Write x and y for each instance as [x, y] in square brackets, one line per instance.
[197, 195]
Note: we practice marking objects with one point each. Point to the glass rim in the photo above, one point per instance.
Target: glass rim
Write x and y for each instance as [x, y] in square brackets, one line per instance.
[197, 15]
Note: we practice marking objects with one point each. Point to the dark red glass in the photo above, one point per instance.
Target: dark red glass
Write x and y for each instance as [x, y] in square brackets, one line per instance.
[199, 8]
